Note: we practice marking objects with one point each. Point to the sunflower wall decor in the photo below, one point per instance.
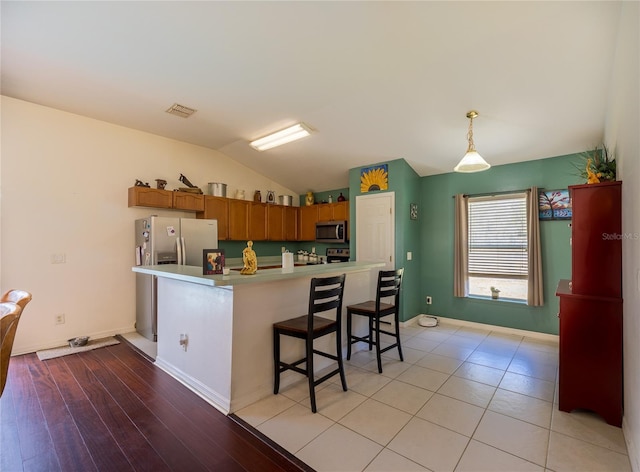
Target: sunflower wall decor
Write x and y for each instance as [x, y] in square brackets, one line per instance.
[374, 178]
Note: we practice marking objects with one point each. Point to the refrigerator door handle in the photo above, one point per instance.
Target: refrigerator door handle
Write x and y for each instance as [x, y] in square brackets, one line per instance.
[184, 251]
[178, 251]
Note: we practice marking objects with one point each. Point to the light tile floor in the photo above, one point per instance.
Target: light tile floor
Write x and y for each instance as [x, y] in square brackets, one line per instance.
[464, 399]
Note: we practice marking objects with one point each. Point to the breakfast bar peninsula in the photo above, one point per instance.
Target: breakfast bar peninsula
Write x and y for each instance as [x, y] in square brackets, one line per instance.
[215, 331]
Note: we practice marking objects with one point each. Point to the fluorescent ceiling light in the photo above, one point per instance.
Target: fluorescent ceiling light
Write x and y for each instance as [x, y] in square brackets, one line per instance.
[284, 136]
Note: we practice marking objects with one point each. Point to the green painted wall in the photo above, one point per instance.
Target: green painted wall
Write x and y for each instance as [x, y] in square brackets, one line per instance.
[405, 182]
[430, 239]
[437, 238]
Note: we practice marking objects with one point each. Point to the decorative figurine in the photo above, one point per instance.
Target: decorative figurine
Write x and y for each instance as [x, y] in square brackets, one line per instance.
[140, 183]
[341, 197]
[592, 177]
[271, 196]
[161, 184]
[249, 260]
[257, 196]
[309, 199]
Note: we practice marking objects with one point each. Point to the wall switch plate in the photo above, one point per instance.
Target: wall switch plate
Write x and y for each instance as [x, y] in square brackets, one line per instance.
[59, 318]
[60, 258]
[409, 255]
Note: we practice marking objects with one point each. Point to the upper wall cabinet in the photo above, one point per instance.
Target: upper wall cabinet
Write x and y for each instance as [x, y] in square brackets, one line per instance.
[310, 215]
[188, 201]
[217, 208]
[156, 198]
[338, 211]
[150, 197]
[308, 220]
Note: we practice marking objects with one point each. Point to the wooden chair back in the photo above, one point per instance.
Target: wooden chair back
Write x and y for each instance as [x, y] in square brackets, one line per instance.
[12, 305]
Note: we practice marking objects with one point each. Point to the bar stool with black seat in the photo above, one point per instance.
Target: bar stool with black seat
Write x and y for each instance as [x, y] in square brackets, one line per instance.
[325, 296]
[388, 286]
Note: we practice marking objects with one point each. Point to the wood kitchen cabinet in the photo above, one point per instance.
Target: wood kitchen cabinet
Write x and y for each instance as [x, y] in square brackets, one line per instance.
[188, 201]
[308, 220]
[238, 219]
[257, 221]
[291, 223]
[338, 211]
[150, 197]
[156, 198]
[217, 208]
[275, 223]
[590, 368]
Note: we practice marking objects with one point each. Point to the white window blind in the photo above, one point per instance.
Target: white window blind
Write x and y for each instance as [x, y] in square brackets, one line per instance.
[498, 236]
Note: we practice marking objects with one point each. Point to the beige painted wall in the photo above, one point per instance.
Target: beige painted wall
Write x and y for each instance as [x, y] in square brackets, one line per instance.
[621, 134]
[64, 181]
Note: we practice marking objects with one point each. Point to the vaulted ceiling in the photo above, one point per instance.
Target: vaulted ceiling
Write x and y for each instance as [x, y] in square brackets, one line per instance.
[376, 81]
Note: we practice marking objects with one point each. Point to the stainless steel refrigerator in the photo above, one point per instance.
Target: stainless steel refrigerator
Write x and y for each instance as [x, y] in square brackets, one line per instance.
[166, 240]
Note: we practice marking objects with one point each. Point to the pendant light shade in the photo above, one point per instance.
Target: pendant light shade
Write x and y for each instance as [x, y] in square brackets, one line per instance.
[472, 161]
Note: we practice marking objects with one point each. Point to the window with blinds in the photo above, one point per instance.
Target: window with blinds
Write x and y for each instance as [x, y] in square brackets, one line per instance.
[498, 244]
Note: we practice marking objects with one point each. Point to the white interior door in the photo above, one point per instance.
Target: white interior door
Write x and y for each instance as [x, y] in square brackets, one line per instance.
[375, 228]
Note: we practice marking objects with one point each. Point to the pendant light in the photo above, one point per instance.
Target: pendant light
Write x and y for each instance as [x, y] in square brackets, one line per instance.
[472, 161]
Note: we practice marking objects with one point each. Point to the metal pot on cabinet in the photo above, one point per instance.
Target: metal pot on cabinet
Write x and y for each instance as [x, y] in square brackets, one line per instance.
[217, 189]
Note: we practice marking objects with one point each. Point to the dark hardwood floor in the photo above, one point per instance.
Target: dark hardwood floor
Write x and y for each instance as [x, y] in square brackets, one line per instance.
[111, 409]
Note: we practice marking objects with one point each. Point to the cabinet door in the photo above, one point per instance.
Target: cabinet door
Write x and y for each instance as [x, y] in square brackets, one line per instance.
[275, 223]
[291, 223]
[340, 211]
[596, 245]
[258, 221]
[238, 220]
[325, 212]
[308, 220]
[150, 197]
[188, 201]
[217, 208]
[590, 367]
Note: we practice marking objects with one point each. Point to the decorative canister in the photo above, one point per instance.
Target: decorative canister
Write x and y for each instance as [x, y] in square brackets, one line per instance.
[271, 196]
[240, 194]
[257, 196]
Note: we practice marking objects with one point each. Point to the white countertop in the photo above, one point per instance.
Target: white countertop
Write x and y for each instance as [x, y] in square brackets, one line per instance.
[194, 274]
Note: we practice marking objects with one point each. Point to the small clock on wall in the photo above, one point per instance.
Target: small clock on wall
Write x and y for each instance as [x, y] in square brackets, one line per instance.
[413, 211]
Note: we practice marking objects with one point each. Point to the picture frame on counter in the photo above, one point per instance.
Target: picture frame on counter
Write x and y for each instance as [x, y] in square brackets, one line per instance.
[212, 261]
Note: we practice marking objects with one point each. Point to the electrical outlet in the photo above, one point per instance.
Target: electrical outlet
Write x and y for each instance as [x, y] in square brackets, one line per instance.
[429, 300]
[59, 319]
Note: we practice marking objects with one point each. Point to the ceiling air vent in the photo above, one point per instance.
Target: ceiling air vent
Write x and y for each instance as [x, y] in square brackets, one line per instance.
[180, 110]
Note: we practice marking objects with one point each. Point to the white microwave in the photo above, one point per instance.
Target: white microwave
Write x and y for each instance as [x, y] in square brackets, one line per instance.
[331, 232]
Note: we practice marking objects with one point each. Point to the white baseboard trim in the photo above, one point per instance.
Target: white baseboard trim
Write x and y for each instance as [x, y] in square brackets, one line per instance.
[632, 447]
[64, 342]
[471, 324]
[212, 397]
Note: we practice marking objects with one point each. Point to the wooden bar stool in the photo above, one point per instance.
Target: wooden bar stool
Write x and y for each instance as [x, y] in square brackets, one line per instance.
[325, 297]
[389, 282]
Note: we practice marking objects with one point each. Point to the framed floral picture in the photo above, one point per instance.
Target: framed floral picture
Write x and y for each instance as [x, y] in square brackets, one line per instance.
[212, 261]
[554, 205]
[374, 178]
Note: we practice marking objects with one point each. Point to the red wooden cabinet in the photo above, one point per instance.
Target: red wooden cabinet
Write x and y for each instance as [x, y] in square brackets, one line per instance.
[591, 305]
[596, 227]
